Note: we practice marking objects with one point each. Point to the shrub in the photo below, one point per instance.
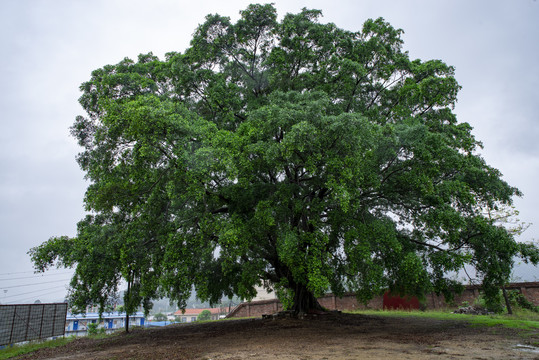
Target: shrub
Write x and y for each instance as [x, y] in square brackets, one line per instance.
[495, 304]
[204, 315]
[160, 317]
[518, 300]
[92, 329]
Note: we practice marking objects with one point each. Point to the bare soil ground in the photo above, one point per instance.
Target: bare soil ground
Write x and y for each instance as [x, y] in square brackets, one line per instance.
[332, 336]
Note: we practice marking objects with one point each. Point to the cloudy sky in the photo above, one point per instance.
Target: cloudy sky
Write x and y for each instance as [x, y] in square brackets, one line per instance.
[49, 47]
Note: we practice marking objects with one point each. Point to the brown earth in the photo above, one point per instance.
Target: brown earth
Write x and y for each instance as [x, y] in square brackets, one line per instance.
[330, 336]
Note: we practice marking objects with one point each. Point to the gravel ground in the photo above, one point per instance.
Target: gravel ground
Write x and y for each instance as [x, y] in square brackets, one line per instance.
[330, 336]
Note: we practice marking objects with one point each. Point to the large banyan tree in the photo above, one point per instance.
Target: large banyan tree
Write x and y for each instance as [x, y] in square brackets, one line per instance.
[290, 154]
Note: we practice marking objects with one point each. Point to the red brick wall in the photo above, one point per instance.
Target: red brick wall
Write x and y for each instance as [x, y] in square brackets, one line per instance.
[349, 302]
[256, 308]
[329, 301]
[530, 290]
[469, 295]
[532, 294]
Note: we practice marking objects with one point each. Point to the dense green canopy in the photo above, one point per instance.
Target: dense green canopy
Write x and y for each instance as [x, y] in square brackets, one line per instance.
[291, 154]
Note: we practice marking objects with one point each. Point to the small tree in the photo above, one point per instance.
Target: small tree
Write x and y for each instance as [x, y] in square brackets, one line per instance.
[92, 329]
[160, 317]
[507, 217]
[204, 315]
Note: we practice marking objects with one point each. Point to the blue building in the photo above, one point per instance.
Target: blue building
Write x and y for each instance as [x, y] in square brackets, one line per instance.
[78, 324]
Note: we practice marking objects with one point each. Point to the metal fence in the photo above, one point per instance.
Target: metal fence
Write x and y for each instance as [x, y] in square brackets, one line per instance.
[31, 321]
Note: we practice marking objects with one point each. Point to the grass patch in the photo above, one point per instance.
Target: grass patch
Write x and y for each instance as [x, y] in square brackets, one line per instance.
[523, 320]
[16, 350]
[104, 335]
[495, 320]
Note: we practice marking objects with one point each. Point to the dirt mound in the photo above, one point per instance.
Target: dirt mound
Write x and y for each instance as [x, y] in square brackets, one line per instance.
[330, 336]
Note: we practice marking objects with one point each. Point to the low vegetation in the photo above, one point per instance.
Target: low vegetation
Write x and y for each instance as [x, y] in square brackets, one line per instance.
[19, 349]
[521, 319]
[16, 350]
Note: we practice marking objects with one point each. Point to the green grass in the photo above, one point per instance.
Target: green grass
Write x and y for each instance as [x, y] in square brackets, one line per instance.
[523, 320]
[16, 350]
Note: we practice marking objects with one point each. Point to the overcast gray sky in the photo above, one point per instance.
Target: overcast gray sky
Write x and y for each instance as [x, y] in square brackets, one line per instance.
[48, 48]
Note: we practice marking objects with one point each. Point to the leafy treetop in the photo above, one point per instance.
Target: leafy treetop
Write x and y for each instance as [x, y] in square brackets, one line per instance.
[292, 154]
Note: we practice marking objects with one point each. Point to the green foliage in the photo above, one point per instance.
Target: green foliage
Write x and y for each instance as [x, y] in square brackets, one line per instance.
[497, 304]
[290, 153]
[517, 299]
[285, 294]
[204, 315]
[494, 303]
[160, 317]
[92, 329]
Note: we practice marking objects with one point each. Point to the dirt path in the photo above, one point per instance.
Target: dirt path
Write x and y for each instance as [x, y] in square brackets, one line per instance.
[337, 337]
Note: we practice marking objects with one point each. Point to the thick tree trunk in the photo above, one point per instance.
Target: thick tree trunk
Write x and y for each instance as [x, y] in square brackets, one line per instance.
[305, 301]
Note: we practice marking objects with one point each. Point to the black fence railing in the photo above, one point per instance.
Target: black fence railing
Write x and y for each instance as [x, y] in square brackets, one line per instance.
[26, 322]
